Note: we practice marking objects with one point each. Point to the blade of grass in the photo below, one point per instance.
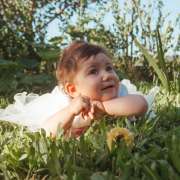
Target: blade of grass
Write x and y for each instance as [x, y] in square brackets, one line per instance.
[160, 51]
[161, 55]
[152, 62]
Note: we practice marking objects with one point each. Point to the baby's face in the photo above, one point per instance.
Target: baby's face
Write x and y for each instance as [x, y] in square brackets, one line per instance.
[97, 79]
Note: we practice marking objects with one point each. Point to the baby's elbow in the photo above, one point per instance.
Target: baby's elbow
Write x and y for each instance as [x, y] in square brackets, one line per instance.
[143, 106]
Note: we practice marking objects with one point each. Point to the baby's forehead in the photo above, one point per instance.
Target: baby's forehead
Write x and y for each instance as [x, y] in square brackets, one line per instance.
[100, 58]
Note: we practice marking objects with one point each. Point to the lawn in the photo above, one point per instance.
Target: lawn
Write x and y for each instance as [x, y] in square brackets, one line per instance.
[152, 153]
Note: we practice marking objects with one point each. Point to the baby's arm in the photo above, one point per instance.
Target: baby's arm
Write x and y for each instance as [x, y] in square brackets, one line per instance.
[64, 117]
[126, 106]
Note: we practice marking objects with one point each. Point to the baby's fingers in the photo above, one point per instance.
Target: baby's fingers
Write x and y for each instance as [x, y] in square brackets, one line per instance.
[92, 108]
[91, 115]
[85, 117]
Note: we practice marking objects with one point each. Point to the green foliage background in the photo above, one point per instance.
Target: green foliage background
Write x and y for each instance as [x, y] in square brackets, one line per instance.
[139, 49]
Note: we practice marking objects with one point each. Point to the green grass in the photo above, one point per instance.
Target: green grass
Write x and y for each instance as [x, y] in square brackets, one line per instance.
[155, 154]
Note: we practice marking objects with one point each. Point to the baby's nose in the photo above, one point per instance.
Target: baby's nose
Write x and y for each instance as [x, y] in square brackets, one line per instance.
[106, 76]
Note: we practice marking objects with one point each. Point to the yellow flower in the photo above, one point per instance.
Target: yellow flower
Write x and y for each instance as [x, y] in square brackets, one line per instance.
[127, 136]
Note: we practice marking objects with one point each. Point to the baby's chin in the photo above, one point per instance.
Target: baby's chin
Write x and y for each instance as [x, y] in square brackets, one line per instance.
[107, 98]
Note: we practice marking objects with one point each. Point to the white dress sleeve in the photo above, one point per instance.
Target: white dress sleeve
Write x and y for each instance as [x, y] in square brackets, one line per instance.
[126, 87]
[32, 110]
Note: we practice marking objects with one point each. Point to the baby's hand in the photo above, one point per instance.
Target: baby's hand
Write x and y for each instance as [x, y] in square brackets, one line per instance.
[82, 105]
[76, 132]
[98, 108]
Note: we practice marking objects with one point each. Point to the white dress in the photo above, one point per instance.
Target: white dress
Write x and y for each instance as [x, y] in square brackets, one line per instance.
[32, 110]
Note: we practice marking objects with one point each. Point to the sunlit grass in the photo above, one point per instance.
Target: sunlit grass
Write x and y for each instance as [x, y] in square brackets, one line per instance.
[155, 153]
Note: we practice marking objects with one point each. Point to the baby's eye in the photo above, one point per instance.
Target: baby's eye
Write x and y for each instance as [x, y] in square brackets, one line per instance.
[93, 71]
[109, 68]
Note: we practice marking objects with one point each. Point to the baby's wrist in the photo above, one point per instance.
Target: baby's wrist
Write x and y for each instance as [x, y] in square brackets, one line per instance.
[107, 108]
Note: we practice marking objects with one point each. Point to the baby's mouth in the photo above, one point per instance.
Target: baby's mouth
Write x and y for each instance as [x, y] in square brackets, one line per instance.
[107, 87]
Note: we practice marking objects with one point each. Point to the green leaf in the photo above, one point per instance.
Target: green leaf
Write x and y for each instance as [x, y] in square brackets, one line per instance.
[161, 55]
[160, 51]
[152, 62]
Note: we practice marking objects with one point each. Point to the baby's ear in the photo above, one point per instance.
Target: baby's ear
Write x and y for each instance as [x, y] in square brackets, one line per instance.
[70, 89]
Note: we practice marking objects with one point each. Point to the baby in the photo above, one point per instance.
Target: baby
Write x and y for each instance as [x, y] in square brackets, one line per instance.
[86, 74]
